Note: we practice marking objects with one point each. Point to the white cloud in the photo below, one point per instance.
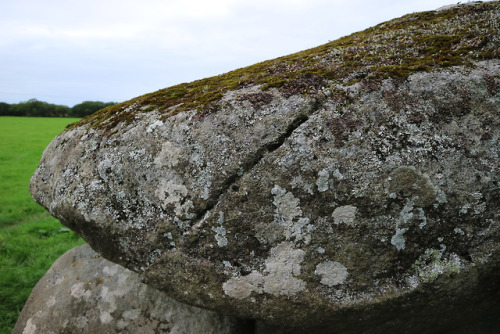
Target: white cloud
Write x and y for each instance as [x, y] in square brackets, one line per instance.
[116, 50]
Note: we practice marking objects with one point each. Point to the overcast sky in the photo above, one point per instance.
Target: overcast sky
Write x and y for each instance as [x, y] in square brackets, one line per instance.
[67, 52]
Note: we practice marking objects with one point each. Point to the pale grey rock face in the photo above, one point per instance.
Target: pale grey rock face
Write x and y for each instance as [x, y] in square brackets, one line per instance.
[247, 210]
[84, 293]
[366, 207]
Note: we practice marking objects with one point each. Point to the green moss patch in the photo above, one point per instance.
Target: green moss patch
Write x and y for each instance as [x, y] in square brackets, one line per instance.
[416, 42]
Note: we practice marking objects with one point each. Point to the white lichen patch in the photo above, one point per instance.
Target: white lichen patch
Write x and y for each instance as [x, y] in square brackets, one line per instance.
[110, 298]
[338, 175]
[322, 181]
[398, 240]
[185, 210]
[30, 327]
[168, 156]
[297, 182]
[81, 323]
[242, 287]
[281, 267]
[420, 214]
[344, 215]
[287, 215]
[332, 273]
[153, 126]
[298, 229]
[104, 167]
[479, 208]
[407, 213]
[105, 317]
[137, 154]
[51, 302]
[220, 231]
[110, 270]
[171, 238]
[284, 260]
[170, 192]
[131, 314]
[78, 290]
[287, 206]
[440, 197]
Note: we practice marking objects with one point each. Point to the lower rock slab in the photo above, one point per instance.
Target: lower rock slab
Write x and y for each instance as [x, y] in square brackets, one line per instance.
[84, 293]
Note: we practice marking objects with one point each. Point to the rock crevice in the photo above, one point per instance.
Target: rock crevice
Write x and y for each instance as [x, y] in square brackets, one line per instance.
[259, 155]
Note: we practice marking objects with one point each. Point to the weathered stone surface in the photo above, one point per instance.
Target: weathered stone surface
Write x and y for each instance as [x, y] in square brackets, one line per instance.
[84, 293]
[346, 188]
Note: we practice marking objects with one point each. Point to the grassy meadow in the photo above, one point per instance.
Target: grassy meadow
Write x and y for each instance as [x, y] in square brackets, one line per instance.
[30, 239]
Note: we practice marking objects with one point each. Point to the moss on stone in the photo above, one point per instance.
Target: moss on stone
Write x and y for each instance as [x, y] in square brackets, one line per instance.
[431, 264]
[410, 183]
[416, 42]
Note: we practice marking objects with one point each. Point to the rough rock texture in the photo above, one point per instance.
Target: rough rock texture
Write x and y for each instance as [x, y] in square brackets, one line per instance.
[84, 293]
[353, 187]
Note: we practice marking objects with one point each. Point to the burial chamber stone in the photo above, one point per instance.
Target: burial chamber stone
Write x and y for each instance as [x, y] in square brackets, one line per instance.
[84, 293]
[353, 187]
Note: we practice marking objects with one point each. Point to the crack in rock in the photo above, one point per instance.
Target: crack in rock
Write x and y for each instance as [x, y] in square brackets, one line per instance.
[259, 155]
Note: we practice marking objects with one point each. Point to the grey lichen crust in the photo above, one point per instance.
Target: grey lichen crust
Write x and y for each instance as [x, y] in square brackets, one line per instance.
[302, 209]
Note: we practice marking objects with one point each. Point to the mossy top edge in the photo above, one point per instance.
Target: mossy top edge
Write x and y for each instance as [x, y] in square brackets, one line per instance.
[416, 42]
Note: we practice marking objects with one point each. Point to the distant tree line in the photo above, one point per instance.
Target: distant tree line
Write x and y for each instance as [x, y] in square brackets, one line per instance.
[35, 108]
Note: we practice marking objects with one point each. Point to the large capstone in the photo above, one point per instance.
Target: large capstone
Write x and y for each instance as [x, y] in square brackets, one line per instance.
[349, 196]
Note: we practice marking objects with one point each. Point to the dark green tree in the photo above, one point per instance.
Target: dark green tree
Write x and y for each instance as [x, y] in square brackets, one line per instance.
[88, 107]
[4, 109]
[36, 108]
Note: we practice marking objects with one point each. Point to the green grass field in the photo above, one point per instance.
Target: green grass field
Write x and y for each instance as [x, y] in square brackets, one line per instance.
[30, 239]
